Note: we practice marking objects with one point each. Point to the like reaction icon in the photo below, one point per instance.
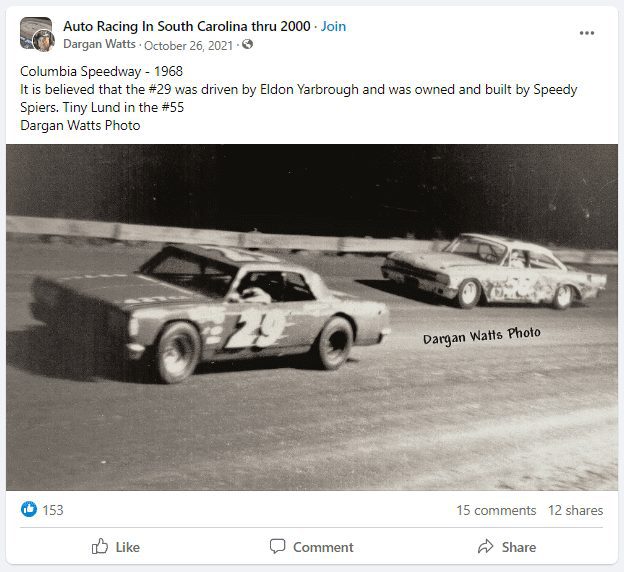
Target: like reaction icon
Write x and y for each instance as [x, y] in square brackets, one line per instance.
[29, 509]
[100, 547]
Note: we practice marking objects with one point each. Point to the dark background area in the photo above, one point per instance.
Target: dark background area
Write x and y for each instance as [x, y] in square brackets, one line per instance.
[554, 194]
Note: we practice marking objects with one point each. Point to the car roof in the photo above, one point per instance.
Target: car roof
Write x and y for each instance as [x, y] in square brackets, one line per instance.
[510, 243]
[239, 257]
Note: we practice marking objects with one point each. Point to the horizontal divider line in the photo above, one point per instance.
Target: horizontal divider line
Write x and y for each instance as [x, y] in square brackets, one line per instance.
[319, 527]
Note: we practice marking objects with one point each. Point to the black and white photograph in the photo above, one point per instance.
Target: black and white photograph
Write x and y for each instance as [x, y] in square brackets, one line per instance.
[312, 317]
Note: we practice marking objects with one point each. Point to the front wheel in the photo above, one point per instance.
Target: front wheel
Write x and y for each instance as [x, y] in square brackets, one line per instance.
[468, 294]
[333, 346]
[177, 352]
[563, 298]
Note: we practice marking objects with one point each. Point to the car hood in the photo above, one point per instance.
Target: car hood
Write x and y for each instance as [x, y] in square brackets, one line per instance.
[435, 261]
[126, 290]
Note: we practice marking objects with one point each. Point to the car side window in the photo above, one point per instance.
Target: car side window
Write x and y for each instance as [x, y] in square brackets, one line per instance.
[518, 259]
[268, 282]
[543, 261]
[177, 265]
[296, 288]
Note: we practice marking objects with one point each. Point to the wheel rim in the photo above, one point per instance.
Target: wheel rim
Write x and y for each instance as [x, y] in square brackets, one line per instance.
[563, 296]
[177, 355]
[469, 292]
[336, 345]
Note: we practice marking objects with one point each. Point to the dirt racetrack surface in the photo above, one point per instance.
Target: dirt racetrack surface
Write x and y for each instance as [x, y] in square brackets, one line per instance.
[521, 414]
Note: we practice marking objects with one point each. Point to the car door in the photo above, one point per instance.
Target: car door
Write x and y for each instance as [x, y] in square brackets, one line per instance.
[510, 281]
[548, 275]
[285, 318]
[304, 312]
[521, 278]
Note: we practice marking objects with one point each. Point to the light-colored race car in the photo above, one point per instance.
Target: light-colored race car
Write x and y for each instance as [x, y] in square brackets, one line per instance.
[475, 267]
[192, 304]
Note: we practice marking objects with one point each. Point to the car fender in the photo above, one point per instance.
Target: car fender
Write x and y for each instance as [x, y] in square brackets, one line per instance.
[152, 320]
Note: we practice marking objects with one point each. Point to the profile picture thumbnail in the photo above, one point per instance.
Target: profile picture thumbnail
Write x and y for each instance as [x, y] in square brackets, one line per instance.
[36, 33]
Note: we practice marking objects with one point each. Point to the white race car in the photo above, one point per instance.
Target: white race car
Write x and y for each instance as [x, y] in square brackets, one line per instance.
[476, 266]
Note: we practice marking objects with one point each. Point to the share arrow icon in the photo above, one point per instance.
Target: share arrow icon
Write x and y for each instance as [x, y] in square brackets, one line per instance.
[485, 547]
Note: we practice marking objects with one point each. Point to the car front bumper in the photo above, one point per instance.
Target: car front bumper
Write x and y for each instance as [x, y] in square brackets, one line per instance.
[435, 288]
[420, 283]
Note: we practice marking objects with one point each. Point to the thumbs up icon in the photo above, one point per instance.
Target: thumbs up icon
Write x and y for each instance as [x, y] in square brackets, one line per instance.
[100, 548]
[29, 509]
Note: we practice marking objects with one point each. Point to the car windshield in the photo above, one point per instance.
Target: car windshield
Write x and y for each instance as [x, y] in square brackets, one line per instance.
[193, 272]
[477, 249]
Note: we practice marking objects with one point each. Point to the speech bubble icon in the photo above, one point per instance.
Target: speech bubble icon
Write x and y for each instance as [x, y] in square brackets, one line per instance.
[277, 545]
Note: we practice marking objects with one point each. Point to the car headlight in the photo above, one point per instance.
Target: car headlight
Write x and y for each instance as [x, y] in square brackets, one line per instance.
[442, 278]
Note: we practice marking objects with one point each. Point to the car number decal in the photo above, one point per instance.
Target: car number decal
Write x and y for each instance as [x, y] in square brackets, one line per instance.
[259, 329]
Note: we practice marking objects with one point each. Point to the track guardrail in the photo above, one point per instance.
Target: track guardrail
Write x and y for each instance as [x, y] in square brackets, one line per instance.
[342, 245]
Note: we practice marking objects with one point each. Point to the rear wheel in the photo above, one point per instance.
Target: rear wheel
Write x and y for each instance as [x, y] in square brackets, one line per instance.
[177, 352]
[468, 294]
[563, 297]
[333, 346]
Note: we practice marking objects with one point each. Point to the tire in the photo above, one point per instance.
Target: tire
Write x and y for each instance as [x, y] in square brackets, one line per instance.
[333, 345]
[468, 294]
[564, 295]
[177, 352]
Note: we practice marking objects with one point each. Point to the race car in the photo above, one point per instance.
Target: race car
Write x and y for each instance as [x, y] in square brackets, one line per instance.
[192, 304]
[476, 267]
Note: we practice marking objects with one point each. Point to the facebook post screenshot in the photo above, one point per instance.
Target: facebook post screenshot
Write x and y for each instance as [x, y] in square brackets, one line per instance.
[308, 284]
